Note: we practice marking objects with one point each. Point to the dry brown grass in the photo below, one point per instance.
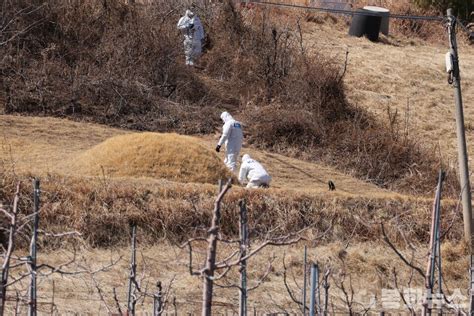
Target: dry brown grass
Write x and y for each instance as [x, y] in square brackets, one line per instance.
[37, 146]
[153, 155]
[369, 264]
[102, 209]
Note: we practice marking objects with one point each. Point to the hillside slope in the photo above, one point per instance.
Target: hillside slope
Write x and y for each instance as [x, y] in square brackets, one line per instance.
[407, 76]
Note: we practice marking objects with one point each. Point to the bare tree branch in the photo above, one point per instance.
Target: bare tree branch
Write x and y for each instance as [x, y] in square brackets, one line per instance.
[10, 248]
[390, 244]
[287, 286]
[65, 234]
[117, 303]
[101, 296]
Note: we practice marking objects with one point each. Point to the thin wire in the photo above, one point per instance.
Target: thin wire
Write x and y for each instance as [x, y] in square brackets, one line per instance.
[463, 27]
[351, 12]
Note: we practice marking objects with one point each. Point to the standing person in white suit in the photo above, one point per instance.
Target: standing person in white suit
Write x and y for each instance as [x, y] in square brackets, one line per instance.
[253, 172]
[232, 137]
[193, 32]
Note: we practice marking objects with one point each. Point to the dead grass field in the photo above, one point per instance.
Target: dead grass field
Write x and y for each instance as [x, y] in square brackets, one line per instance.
[41, 145]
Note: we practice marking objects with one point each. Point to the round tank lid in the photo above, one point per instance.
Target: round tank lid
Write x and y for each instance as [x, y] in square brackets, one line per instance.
[376, 9]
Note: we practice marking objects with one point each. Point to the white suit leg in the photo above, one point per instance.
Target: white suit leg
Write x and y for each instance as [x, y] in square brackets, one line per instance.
[231, 156]
[188, 51]
[197, 49]
[253, 184]
[231, 161]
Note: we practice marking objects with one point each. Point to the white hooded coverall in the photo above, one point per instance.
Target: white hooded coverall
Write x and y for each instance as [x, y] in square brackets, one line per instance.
[254, 172]
[232, 136]
[193, 32]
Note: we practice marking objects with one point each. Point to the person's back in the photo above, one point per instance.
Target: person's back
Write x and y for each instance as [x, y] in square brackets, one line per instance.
[235, 131]
[232, 136]
[254, 172]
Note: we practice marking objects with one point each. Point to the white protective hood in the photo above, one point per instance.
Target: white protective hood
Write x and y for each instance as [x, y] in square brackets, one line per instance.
[245, 158]
[226, 117]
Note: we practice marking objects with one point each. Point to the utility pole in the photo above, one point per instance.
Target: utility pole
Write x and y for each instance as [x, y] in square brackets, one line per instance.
[34, 241]
[452, 67]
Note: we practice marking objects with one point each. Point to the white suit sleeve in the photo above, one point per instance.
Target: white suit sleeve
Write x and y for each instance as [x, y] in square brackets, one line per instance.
[225, 133]
[243, 173]
[182, 23]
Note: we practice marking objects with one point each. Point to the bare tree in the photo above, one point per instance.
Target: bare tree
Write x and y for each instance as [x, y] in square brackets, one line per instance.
[8, 17]
[208, 272]
[15, 269]
[12, 215]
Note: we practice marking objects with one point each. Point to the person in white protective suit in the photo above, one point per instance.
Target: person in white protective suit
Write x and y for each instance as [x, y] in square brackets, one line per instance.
[232, 136]
[193, 31]
[253, 172]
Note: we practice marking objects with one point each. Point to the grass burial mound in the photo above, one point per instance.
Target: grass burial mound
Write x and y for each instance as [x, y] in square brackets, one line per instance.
[168, 156]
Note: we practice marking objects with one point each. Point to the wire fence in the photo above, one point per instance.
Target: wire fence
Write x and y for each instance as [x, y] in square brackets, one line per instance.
[348, 11]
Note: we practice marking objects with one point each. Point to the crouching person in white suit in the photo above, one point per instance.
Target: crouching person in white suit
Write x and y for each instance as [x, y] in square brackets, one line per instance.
[253, 172]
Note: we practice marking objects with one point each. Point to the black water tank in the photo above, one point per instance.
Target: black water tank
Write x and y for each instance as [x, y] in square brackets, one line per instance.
[358, 23]
[365, 23]
[372, 27]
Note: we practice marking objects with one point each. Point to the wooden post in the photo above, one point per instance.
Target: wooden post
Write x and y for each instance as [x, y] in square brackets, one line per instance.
[326, 292]
[3, 290]
[434, 248]
[52, 300]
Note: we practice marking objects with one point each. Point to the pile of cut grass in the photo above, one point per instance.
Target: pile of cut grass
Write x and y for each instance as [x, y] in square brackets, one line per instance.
[166, 156]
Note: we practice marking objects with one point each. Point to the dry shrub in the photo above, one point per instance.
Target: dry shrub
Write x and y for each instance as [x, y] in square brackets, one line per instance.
[426, 30]
[102, 210]
[107, 62]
